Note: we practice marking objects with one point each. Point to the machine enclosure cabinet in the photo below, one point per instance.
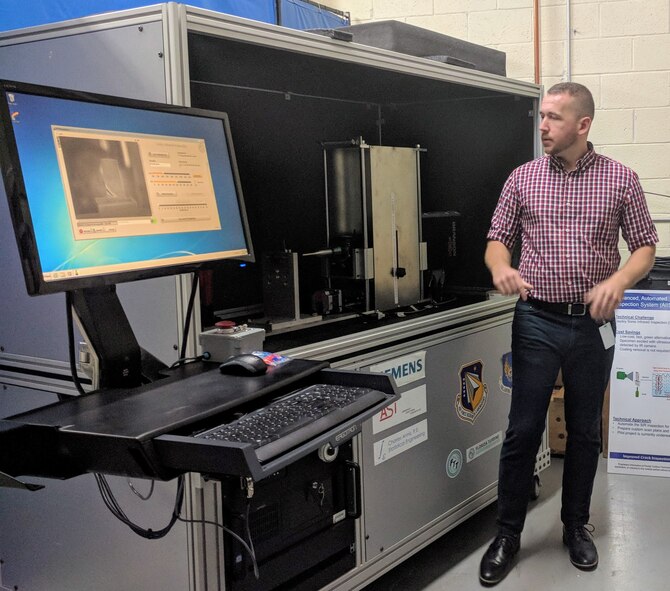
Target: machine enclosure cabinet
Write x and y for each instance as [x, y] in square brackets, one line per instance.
[439, 142]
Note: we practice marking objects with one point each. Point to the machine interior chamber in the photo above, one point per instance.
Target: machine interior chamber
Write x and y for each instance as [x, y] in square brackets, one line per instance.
[283, 120]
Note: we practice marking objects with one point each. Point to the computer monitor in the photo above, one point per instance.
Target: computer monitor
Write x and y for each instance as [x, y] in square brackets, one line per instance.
[104, 190]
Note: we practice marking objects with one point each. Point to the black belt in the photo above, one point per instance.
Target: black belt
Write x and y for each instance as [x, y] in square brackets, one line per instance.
[569, 308]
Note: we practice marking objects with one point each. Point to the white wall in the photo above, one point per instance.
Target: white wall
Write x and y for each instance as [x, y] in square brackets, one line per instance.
[620, 49]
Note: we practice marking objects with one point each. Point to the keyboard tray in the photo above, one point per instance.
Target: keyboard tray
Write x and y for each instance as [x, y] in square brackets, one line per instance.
[214, 457]
[147, 432]
[290, 420]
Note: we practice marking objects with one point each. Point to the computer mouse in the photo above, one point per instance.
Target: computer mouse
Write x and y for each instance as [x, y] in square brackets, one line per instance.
[244, 364]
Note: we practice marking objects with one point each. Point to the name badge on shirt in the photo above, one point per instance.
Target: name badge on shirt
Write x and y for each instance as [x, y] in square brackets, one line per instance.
[607, 335]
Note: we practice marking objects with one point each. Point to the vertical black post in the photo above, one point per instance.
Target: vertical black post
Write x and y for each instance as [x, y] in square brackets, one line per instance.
[109, 333]
[278, 11]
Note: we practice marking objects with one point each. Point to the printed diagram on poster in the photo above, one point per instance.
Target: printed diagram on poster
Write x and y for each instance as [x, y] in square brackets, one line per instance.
[639, 429]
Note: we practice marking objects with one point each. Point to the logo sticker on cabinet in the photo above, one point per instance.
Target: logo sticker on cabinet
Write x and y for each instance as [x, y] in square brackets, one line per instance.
[506, 375]
[405, 369]
[471, 400]
[454, 463]
[411, 404]
[472, 453]
[400, 442]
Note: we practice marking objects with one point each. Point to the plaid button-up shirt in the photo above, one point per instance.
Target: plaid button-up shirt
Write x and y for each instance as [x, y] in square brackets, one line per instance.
[569, 222]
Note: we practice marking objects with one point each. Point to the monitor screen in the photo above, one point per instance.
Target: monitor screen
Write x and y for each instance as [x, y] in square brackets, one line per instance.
[104, 190]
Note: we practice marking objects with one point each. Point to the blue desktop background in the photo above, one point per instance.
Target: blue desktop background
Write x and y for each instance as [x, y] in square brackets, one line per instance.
[58, 251]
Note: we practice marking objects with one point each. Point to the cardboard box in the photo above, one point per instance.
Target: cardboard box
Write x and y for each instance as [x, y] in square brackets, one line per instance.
[556, 421]
[556, 418]
[559, 380]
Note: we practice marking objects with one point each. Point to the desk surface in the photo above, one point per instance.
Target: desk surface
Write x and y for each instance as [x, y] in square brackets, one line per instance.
[148, 431]
[163, 406]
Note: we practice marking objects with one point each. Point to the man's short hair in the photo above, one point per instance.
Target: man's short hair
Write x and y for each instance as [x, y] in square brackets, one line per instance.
[582, 95]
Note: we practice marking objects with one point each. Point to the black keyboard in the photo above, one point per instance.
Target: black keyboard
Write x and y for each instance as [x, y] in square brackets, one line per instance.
[295, 418]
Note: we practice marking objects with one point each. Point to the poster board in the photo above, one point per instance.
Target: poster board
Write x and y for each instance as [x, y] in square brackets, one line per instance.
[639, 425]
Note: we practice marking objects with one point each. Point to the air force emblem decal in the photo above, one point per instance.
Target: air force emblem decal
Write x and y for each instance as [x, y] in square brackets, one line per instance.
[506, 376]
[471, 400]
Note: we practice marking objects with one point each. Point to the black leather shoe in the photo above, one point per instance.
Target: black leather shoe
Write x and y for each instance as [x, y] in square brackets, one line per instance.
[498, 559]
[583, 553]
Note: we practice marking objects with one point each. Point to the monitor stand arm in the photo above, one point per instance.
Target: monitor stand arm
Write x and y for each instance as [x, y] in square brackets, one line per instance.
[105, 326]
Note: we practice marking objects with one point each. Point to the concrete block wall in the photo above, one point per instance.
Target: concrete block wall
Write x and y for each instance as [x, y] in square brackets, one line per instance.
[620, 49]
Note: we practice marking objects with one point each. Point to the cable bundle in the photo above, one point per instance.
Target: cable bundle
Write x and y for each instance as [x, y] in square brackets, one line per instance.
[113, 505]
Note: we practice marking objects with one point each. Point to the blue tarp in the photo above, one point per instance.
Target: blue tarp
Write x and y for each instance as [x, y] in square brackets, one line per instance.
[17, 14]
[297, 14]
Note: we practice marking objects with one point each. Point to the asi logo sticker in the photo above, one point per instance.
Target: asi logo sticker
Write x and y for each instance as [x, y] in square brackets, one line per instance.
[454, 463]
[470, 401]
[506, 376]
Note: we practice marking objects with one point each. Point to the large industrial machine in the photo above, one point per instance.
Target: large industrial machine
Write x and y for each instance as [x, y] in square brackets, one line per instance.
[369, 177]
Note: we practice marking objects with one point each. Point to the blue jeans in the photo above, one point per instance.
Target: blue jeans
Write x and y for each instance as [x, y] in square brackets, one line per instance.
[542, 343]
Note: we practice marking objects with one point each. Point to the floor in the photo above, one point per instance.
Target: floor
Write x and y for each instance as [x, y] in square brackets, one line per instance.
[632, 521]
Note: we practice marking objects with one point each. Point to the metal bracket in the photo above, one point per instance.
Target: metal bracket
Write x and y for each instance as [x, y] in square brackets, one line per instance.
[247, 484]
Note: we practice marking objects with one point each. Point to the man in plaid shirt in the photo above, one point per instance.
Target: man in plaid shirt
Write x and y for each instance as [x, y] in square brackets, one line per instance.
[567, 208]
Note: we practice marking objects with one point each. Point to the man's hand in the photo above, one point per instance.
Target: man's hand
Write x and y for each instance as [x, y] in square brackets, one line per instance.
[508, 281]
[506, 278]
[605, 298]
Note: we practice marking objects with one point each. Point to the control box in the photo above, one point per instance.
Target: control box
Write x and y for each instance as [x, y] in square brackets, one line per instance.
[227, 340]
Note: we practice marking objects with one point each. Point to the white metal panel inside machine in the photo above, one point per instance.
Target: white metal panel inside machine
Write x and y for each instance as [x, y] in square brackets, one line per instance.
[395, 211]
